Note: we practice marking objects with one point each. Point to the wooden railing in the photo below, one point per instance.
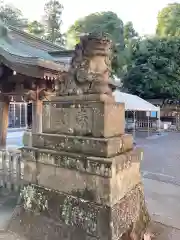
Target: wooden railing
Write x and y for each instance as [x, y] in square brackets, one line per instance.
[11, 169]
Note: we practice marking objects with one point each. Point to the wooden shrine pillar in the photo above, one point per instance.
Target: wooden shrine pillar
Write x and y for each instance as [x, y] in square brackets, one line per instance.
[4, 115]
[37, 116]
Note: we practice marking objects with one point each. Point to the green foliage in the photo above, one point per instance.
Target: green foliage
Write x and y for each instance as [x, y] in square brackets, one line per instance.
[36, 28]
[154, 68]
[11, 15]
[52, 21]
[129, 31]
[169, 21]
[108, 23]
[50, 29]
[103, 22]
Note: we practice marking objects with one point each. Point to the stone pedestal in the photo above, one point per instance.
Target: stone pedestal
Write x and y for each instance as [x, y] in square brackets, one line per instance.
[85, 172]
[37, 116]
[27, 138]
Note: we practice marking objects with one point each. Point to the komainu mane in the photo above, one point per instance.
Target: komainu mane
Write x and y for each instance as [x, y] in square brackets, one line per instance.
[90, 68]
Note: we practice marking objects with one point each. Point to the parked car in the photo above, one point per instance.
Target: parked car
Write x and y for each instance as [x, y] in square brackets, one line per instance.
[129, 124]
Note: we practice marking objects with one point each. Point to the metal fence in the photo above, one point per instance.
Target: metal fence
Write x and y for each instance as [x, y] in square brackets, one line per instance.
[11, 169]
[145, 124]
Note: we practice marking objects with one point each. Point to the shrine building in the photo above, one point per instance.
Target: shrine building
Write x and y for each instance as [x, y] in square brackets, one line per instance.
[29, 70]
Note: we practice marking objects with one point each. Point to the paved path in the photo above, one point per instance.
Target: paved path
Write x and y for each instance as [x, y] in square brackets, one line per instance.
[161, 158]
[14, 138]
[160, 170]
[162, 232]
[163, 202]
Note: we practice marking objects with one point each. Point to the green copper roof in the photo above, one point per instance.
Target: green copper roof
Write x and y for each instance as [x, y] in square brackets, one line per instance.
[13, 50]
[22, 50]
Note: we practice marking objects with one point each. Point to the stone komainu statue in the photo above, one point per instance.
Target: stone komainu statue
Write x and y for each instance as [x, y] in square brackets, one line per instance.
[90, 68]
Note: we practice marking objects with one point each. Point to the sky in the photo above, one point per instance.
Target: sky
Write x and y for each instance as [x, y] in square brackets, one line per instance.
[143, 13]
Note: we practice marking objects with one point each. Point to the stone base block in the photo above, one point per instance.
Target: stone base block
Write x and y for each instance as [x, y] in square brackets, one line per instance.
[84, 118]
[70, 218]
[99, 147]
[101, 180]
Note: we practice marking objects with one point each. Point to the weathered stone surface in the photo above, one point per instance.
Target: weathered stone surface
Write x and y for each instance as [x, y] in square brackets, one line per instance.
[100, 147]
[83, 163]
[90, 68]
[30, 171]
[124, 181]
[84, 169]
[73, 218]
[102, 180]
[130, 213]
[83, 97]
[84, 118]
[66, 218]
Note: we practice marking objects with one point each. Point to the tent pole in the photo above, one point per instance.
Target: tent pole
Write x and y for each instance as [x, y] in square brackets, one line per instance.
[148, 123]
[134, 128]
[159, 121]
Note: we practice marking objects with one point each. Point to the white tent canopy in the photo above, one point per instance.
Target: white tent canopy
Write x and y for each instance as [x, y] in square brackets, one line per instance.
[134, 103]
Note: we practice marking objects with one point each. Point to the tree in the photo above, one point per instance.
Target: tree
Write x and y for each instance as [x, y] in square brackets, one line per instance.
[154, 70]
[129, 31]
[103, 22]
[169, 21]
[36, 28]
[11, 15]
[53, 12]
